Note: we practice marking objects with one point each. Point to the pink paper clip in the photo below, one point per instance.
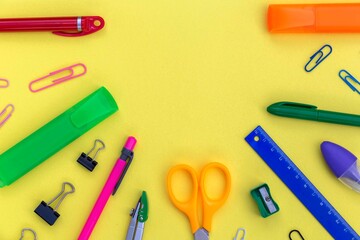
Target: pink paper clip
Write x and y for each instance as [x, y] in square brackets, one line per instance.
[70, 76]
[2, 81]
[7, 113]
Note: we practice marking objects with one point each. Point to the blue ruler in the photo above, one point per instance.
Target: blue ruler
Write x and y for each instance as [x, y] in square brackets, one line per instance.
[300, 185]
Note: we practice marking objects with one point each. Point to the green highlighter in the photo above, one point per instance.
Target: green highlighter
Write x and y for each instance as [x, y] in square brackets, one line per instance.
[55, 135]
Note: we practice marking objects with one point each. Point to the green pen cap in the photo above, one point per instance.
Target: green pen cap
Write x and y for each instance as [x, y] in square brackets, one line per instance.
[55, 135]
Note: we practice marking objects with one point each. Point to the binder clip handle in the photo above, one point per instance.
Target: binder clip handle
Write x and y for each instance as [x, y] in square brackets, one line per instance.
[29, 230]
[63, 193]
[292, 231]
[88, 162]
[238, 232]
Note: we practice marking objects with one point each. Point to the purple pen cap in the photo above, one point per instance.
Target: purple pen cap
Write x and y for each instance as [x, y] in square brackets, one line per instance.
[342, 163]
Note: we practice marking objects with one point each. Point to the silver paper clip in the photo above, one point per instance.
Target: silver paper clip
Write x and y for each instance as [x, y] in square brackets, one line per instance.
[318, 57]
[29, 230]
[6, 113]
[291, 232]
[4, 83]
[59, 80]
[238, 232]
[347, 78]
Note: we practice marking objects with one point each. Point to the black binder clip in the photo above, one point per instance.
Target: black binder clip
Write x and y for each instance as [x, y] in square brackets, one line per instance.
[88, 162]
[49, 214]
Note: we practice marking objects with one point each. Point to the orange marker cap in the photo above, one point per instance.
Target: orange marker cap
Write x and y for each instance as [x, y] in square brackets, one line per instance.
[314, 18]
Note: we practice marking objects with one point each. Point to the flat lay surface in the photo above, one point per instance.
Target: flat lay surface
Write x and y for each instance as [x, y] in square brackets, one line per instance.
[191, 79]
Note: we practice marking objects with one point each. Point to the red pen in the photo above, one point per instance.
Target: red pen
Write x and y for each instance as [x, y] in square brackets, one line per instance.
[63, 26]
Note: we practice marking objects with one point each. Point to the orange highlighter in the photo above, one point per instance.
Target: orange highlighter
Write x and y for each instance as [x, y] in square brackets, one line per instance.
[314, 18]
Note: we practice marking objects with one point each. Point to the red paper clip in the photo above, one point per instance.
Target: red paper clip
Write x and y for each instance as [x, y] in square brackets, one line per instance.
[57, 81]
[2, 81]
[7, 113]
[63, 26]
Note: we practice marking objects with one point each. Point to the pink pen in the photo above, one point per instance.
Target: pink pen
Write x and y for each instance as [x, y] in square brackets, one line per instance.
[111, 186]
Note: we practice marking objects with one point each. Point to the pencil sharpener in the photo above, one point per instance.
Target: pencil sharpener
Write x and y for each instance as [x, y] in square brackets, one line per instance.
[47, 213]
[266, 204]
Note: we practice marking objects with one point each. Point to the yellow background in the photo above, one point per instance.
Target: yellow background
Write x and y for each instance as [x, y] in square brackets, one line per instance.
[192, 78]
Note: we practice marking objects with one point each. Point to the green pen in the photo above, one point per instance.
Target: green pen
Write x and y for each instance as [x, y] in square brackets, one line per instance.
[55, 135]
[311, 112]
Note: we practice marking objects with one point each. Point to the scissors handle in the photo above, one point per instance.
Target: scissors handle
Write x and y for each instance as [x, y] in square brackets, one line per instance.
[188, 207]
[210, 205]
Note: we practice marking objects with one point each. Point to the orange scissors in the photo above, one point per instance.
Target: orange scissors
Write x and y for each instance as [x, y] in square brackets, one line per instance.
[210, 205]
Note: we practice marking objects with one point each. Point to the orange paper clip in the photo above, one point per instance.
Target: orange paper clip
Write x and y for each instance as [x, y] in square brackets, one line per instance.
[6, 114]
[4, 83]
[59, 80]
[314, 18]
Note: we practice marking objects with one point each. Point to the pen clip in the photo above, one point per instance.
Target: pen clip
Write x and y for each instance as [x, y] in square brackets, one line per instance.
[347, 78]
[129, 156]
[321, 57]
[70, 76]
[285, 105]
[85, 26]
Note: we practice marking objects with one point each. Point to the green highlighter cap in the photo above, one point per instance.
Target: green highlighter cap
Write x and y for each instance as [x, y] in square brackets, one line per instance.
[55, 135]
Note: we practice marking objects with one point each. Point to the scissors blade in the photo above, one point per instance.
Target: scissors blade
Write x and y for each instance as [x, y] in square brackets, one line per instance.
[201, 234]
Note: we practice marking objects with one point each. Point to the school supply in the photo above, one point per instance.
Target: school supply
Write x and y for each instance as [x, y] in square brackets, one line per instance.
[6, 113]
[347, 77]
[238, 232]
[88, 162]
[49, 214]
[318, 57]
[27, 230]
[266, 204]
[300, 185]
[74, 71]
[343, 164]
[139, 215]
[4, 83]
[55, 135]
[292, 232]
[310, 112]
[314, 18]
[114, 179]
[62, 26]
[209, 205]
